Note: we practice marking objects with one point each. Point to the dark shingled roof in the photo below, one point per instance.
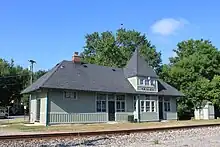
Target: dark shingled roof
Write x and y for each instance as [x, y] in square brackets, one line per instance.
[166, 89]
[137, 66]
[91, 77]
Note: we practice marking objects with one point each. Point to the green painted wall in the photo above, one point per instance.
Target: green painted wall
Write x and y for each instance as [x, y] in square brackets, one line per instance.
[172, 115]
[82, 110]
[86, 102]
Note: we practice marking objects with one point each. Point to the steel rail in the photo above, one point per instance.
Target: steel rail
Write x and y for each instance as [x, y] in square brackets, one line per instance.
[100, 133]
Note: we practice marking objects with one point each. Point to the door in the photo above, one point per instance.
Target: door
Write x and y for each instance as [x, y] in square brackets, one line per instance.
[111, 111]
[38, 110]
[160, 110]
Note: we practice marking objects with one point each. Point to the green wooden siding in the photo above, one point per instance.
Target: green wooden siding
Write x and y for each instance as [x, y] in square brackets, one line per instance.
[170, 115]
[122, 116]
[60, 117]
[149, 116]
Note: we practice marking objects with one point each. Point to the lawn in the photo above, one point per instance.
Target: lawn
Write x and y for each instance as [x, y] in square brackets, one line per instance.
[18, 125]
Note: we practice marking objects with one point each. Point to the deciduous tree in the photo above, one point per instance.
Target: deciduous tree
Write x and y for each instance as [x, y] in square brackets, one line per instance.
[115, 50]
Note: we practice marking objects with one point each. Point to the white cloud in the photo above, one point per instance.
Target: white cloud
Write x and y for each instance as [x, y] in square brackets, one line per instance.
[168, 26]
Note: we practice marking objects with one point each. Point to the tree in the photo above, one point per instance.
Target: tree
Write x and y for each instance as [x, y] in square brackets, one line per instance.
[13, 79]
[192, 71]
[214, 92]
[38, 74]
[115, 50]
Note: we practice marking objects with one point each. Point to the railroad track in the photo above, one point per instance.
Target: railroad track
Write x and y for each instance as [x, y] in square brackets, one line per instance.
[100, 133]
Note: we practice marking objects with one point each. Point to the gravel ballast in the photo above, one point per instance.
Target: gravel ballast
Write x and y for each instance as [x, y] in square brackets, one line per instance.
[202, 137]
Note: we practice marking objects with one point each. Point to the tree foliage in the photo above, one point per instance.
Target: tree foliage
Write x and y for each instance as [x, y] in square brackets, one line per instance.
[14, 79]
[194, 70]
[38, 74]
[115, 50]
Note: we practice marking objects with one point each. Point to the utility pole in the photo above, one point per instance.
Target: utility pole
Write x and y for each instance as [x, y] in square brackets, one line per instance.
[32, 70]
[31, 82]
[122, 26]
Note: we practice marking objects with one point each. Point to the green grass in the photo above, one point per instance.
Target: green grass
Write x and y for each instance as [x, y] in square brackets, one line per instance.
[18, 125]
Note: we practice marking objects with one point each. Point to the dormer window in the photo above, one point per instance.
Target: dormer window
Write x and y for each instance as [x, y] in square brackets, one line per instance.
[142, 81]
[147, 84]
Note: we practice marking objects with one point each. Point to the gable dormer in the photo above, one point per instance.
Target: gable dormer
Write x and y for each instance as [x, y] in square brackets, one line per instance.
[140, 74]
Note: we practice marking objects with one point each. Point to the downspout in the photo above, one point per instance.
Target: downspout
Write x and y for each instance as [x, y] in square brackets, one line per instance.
[138, 110]
[47, 110]
[29, 101]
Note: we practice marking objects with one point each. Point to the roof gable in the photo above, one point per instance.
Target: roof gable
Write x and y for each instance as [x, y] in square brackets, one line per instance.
[42, 80]
[138, 66]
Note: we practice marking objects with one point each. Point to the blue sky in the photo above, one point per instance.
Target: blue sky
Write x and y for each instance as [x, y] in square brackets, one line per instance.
[50, 31]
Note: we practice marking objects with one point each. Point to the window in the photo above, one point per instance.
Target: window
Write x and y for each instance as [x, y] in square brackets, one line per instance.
[141, 81]
[70, 95]
[153, 82]
[147, 82]
[120, 103]
[101, 103]
[142, 106]
[153, 106]
[134, 103]
[148, 105]
[167, 106]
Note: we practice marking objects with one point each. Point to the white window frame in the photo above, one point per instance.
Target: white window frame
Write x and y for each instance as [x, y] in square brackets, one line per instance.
[168, 106]
[146, 80]
[134, 102]
[144, 106]
[141, 81]
[120, 103]
[147, 84]
[102, 101]
[72, 95]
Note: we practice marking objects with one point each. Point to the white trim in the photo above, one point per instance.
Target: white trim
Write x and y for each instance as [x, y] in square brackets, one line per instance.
[168, 103]
[121, 101]
[106, 107]
[115, 106]
[134, 102]
[144, 86]
[101, 101]
[150, 105]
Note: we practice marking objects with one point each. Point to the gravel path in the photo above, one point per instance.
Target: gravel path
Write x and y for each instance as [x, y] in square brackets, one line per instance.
[197, 137]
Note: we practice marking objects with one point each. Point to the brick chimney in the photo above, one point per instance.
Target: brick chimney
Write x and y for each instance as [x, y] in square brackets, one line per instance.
[76, 57]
